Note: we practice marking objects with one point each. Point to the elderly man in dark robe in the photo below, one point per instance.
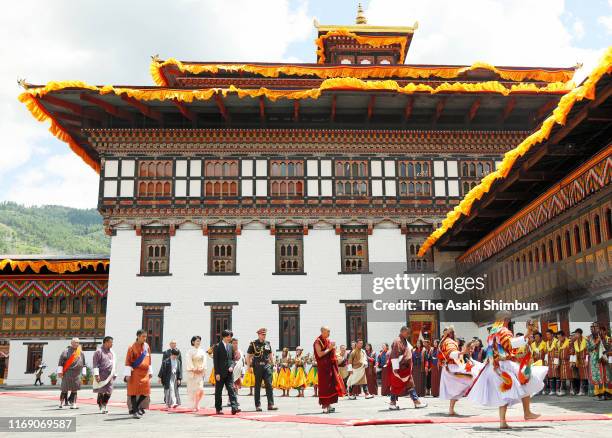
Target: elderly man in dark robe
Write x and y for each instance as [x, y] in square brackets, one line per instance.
[104, 371]
[331, 385]
[70, 368]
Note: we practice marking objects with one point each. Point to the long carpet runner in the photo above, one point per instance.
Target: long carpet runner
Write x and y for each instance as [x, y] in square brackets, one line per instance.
[331, 420]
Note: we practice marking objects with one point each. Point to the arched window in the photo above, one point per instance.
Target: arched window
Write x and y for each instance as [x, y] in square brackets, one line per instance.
[587, 234]
[7, 305]
[21, 306]
[597, 229]
[410, 170]
[76, 305]
[559, 248]
[63, 305]
[568, 244]
[168, 169]
[89, 305]
[609, 223]
[103, 305]
[577, 241]
[50, 302]
[36, 306]
[142, 169]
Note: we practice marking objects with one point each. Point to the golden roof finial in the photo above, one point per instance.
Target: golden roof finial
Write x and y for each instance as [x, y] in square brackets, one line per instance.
[155, 58]
[23, 84]
[361, 18]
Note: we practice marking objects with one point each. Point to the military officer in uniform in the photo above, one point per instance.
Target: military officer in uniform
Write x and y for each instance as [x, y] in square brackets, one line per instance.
[260, 357]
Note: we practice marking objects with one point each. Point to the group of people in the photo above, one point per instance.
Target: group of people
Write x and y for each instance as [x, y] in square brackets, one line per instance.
[577, 365]
[508, 370]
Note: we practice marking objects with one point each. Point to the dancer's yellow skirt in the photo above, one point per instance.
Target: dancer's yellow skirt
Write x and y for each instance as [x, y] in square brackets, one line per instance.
[298, 379]
[313, 377]
[249, 378]
[284, 379]
[275, 379]
[212, 379]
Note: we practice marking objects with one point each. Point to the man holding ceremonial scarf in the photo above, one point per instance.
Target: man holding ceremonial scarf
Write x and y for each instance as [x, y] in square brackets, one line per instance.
[70, 367]
[137, 374]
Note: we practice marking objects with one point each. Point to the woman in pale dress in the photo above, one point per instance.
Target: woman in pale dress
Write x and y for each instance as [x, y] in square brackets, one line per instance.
[195, 364]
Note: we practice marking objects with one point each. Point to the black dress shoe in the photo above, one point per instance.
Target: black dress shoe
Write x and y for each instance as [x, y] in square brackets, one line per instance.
[235, 411]
[219, 412]
[272, 408]
[258, 408]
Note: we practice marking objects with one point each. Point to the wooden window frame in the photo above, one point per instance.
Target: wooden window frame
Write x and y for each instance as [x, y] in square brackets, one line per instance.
[34, 352]
[154, 312]
[154, 236]
[354, 236]
[221, 237]
[219, 313]
[287, 312]
[357, 310]
[293, 237]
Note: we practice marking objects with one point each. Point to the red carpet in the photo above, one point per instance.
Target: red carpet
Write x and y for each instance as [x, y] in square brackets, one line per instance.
[332, 420]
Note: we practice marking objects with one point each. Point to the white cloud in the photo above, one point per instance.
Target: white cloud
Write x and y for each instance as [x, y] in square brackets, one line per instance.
[59, 180]
[578, 29]
[606, 22]
[508, 32]
[111, 43]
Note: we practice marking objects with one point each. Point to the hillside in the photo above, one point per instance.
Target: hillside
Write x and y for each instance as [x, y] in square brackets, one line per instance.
[51, 229]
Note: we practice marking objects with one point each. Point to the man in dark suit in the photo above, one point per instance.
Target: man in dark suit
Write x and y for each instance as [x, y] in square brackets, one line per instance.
[223, 359]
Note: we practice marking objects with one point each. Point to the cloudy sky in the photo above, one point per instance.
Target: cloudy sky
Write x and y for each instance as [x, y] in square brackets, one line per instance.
[110, 42]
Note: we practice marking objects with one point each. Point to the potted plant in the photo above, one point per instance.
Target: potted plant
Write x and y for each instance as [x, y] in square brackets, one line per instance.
[53, 378]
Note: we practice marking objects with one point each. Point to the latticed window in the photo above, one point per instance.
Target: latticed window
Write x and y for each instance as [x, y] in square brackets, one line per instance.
[155, 253]
[416, 233]
[414, 178]
[34, 357]
[287, 168]
[287, 188]
[354, 248]
[221, 178]
[289, 251]
[352, 169]
[155, 178]
[414, 169]
[221, 251]
[466, 186]
[351, 188]
[476, 169]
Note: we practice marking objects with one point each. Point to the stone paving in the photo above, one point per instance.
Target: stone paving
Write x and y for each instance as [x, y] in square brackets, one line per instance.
[119, 423]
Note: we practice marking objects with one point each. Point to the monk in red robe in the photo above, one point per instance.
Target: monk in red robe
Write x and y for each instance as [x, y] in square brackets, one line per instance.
[138, 374]
[331, 385]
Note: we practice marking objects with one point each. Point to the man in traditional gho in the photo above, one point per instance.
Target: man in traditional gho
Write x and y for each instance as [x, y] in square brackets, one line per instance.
[552, 362]
[137, 374]
[597, 347]
[104, 371]
[507, 377]
[70, 368]
[383, 370]
[356, 364]
[538, 347]
[260, 359]
[170, 377]
[341, 358]
[331, 385]
[400, 365]
[457, 375]
[580, 363]
[565, 368]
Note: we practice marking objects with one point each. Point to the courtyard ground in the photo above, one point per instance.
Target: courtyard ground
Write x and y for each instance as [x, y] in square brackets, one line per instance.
[297, 417]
